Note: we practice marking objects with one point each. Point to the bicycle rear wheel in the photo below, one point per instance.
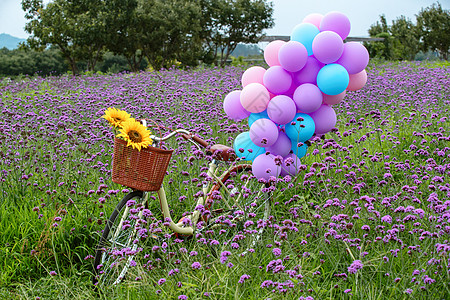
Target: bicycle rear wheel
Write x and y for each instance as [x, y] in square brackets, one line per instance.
[118, 244]
[239, 207]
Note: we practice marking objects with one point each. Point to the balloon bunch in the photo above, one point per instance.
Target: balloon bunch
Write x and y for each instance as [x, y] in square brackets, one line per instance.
[291, 101]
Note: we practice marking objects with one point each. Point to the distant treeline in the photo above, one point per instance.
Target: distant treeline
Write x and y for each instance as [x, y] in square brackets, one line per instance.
[132, 35]
[406, 40]
[160, 32]
[51, 62]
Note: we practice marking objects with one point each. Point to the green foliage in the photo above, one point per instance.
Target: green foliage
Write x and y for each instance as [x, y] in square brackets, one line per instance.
[18, 62]
[403, 39]
[433, 24]
[228, 23]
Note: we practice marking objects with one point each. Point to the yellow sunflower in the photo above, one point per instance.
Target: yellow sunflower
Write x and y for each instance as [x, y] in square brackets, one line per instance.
[115, 116]
[135, 134]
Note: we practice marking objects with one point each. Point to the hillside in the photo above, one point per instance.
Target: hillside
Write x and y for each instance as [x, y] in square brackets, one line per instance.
[9, 41]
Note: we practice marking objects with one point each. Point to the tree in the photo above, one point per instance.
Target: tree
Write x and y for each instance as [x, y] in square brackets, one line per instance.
[171, 31]
[382, 49]
[71, 25]
[405, 38]
[227, 23]
[433, 24]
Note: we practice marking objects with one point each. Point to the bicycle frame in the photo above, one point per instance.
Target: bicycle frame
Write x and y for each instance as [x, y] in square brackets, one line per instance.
[181, 227]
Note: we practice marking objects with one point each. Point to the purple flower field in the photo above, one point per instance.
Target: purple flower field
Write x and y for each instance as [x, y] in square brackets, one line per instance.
[368, 214]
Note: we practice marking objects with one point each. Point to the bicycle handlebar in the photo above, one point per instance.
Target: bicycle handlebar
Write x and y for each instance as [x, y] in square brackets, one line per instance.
[184, 133]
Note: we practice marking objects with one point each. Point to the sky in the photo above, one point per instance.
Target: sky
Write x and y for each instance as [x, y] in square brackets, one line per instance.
[287, 13]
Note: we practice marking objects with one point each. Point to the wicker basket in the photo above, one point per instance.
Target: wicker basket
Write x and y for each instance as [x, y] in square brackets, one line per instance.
[141, 170]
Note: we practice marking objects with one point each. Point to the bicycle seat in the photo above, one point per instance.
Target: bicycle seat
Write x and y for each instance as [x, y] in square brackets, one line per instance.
[221, 152]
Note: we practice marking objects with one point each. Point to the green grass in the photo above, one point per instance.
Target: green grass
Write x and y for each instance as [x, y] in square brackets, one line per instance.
[31, 247]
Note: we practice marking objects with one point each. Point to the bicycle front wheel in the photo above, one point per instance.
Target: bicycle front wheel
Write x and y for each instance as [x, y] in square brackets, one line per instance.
[118, 244]
[239, 207]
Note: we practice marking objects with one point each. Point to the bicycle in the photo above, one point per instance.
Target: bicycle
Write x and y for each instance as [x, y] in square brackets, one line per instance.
[231, 197]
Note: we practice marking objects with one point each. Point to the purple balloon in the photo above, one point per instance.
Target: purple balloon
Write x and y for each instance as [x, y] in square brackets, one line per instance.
[292, 56]
[354, 58]
[277, 80]
[263, 132]
[291, 165]
[308, 98]
[337, 22]
[264, 166]
[327, 47]
[309, 72]
[281, 109]
[233, 107]
[282, 146]
[324, 119]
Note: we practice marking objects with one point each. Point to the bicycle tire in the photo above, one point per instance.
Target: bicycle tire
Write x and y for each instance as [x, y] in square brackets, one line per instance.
[108, 272]
[249, 213]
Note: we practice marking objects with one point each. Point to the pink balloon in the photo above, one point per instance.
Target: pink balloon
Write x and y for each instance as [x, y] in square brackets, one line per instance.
[264, 166]
[314, 19]
[263, 132]
[357, 81]
[337, 22]
[277, 80]
[354, 58]
[308, 98]
[281, 109]
[291, 165]
[327, 47]
[309, 72]
[292, 56]
[282, 146]
[233, 107]
[333, 99]
[271, 52]
[324, 119]
[253, 75]
[254, 97]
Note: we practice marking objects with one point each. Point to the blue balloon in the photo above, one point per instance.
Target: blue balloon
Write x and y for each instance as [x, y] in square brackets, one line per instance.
[332, 79]
[243, 141]
[299, 151]
[305, 34]
[256, 116]
[302, 130]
